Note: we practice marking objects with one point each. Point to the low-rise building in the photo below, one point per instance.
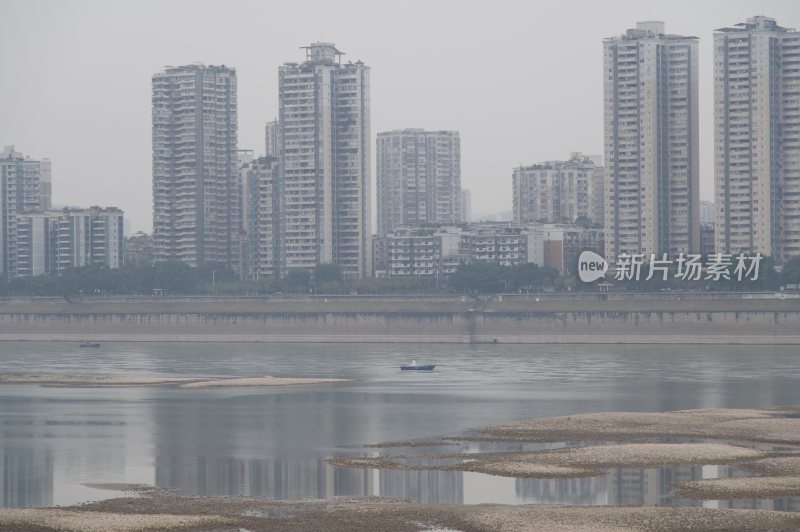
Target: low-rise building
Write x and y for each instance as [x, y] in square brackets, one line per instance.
[441, 249]
[424, 250]
[35, 249]
[501, 243]
[54, 241]
[563, 243]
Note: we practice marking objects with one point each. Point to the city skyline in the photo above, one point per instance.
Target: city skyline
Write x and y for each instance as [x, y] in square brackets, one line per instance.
[86, 159]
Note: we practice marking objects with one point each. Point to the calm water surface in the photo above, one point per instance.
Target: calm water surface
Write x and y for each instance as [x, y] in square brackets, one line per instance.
[273, 443]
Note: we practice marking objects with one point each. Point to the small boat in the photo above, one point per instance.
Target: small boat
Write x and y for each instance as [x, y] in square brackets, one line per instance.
[417, 367]
[90, 344]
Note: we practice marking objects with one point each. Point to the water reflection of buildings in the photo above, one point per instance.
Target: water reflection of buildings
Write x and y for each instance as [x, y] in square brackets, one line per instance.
[786, 504]
[270, 446]
[26, 477]
[618, 487]
[584, 490]
[313, 478]
[650, 487]
[423, 486]
[268, 478]
[302, 479]
[54, 441]
[202, 448]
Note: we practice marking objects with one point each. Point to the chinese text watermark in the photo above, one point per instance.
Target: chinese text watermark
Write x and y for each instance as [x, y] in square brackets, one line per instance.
[688, 267]
[685, 266]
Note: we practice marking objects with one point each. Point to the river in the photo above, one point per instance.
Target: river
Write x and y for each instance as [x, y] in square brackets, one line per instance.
[273, 442]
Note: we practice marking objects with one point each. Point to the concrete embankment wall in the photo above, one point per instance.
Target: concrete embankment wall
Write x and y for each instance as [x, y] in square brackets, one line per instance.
[750, 327]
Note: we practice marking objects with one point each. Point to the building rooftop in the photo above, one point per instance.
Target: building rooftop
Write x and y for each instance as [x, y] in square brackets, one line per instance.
[757, 23]
[649, 29]
[408, 131]
[322, 52]
[192, 68]
[575, 158]
[10, 153]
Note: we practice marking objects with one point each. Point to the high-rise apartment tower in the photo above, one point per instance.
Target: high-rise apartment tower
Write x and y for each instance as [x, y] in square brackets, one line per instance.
[419, 178]
[324, 143]
[196, 196]
[757, 139]
[651, 142]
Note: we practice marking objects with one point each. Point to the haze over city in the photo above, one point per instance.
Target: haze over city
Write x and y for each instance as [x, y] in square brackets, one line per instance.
[425, 265]
[520, 82]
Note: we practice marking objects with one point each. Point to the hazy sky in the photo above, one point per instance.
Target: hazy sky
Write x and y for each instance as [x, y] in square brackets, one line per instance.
[521, 81]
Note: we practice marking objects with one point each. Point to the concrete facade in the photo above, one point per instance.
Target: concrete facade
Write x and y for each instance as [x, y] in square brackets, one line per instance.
[196, 194]
[440, 250]
[757, 139]
[271, 139]
[466, 206]
[419, 179]
[52, 242]
[262, 208]
[139, 249]
[651, 142]
[558, 191]
[25, 187]
[325, 147]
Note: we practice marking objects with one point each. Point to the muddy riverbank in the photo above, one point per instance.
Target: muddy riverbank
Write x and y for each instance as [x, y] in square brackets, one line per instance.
[162, 509]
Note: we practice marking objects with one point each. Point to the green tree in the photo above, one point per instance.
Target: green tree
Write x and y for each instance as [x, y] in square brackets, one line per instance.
[791, 271]
[174, 277]
[483, 277]
[531, 276]
[217, 273]
[768, 278]
[298, 280]
[328, 273]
